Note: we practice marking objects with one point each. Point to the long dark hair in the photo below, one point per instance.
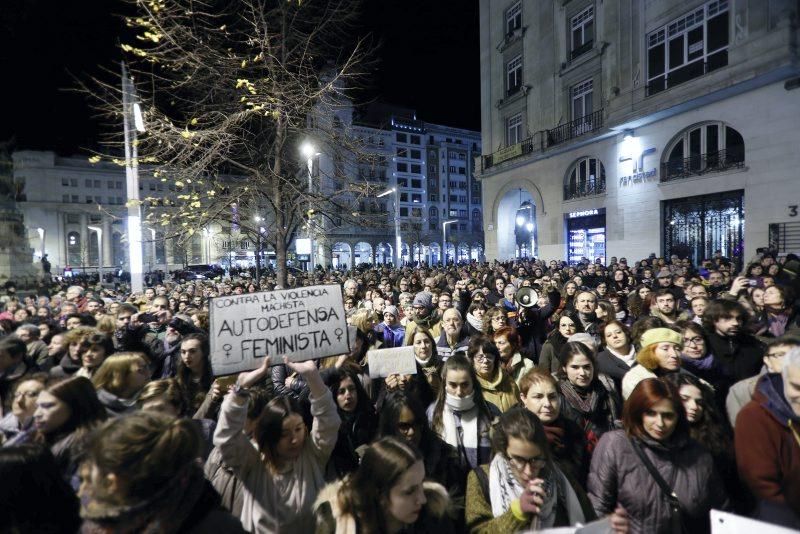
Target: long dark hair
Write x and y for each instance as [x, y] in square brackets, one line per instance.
[270, 426]
[363, 493]
[458, 362]
[333, 380]
[195, 393]
[85, 410]
[390, 416]
[711, 429]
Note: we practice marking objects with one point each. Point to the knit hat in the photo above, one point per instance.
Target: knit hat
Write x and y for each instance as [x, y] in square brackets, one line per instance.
[424, 299]
[390, 309]
[661, 335]
[664, 273]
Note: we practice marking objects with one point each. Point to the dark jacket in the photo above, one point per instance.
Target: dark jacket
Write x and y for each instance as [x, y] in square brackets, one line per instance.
[532, 325]
[66, 367]
[357, 430]
[737, 358]
[114, 405]
[618, 476]
[768, 449]
[9, 381]
[298, 391]
[611, 366]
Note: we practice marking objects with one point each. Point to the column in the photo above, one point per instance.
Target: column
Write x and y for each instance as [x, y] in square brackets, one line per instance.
[61, 236]
[108, 256]
[85, 236]
[169, 254]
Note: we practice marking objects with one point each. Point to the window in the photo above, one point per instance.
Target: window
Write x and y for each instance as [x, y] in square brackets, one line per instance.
[402, 182]
[582, 32]
[514, 129]
[65, 182]
[416, 169]
[514, 18]
[402, 138]
[582, 99]
[402, 167]
[403, 197]
[73, 182]
[416, 184]
[432, 197]
[452, 168]
[462, 157]
[119, 185]
[415, 140]
[514, 75]
[453, 213]
[64, 198]
[97, 184]
[98, 200]
[476, 220]
[402, 152]
[403, 212]
[432, 169]
[87, 183]
[462, 170]
[415, 154]
[709, 147]
[688, 47]
[119, 201]
[586, 177]
[462, 227]
[110, 184]
[75, 199]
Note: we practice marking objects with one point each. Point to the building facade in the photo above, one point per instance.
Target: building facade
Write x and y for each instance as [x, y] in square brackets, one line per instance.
[638, 127]
[75, 209]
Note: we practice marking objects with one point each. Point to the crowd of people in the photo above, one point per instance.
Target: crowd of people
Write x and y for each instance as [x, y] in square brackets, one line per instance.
[545, 395]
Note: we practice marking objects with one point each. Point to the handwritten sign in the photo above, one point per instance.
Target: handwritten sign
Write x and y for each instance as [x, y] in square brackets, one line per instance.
[306, 323]
[385, 362]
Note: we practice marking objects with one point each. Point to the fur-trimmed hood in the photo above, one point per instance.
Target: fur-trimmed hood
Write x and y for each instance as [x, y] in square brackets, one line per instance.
[437, 505]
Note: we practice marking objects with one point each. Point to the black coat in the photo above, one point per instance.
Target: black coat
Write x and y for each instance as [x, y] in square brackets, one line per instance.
[738, 358]
[532, 326]
[612, 366]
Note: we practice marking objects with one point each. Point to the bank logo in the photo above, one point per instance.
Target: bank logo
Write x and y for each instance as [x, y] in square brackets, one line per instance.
[639, 174]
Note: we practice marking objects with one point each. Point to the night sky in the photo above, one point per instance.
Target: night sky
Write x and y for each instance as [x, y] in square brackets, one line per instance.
[429, 61]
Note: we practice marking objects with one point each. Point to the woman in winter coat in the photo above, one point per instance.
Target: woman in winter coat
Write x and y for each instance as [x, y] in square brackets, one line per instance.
[548, 360]
[194, 369]
[387, 494]
[522, 488]
[66, 413]
[358, 420]
[660, 355]
[655, 424]
[460, 415]
[119, 380]
[284, 473]
[588, 398]
[567, 443]
[508, 343]
[498, 387]
[403, 417]
[141, 475]
[619, 355]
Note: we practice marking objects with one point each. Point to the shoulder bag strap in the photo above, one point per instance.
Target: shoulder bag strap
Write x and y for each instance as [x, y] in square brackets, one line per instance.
[662, 484]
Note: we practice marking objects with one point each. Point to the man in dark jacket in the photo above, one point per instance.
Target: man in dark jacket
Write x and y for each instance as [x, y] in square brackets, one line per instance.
[768, 444]
[13, 368]
[532, 323]
[739, 354]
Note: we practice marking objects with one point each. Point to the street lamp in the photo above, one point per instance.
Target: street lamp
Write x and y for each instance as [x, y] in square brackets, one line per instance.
[309, 151]
[260, 230]
[131, 110]
[444, 239]
[99, 249]
[397, 241]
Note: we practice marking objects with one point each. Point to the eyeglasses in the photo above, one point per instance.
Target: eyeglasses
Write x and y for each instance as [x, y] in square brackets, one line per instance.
[406, 427]
[28, 394]
[484, 358]
[694, 340]
[522, 463]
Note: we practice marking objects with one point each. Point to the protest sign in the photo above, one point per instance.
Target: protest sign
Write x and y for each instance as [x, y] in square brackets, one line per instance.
[306, 323]
[727, 523]
[385, 362]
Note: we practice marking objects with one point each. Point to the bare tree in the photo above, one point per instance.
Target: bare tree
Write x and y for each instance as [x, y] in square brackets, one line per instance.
[229, 92]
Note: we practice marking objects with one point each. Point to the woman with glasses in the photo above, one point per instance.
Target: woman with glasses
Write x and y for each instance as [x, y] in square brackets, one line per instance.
[696, 355]
[548, 360]
[403, 417]
[522, 488]
[498, 386]
[493, 320]
[23, 404]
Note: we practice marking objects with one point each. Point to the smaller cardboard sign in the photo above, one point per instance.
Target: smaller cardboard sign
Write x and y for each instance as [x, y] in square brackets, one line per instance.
[385, 362]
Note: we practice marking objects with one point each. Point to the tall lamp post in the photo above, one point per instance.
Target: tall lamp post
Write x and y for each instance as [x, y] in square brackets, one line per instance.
[99, 249]
[259, 232]
[444, 239]
[309, 151]
[397, 240]
[132, 112]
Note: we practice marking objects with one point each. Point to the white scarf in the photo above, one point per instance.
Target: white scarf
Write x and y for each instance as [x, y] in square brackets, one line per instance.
[476, 323]
[468, 436]
[629, 358]
[504, 489]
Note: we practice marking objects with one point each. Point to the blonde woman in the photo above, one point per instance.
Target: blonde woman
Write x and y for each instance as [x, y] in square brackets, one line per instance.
[119, 380]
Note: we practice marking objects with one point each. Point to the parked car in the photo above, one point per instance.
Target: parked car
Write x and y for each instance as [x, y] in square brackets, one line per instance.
[200, 272]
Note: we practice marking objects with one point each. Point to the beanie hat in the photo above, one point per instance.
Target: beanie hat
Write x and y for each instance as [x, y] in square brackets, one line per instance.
[660, 335]
[424, 299]
[390, 309]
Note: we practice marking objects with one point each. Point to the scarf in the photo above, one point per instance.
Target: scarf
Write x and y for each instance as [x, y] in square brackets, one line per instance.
[698, 364]
[586, 403]
[776, 322]
[164, 512]
[474, 322]
[629, 359]
[461, 430]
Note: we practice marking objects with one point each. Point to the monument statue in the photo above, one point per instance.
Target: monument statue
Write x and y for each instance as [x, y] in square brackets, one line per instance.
[16, 255]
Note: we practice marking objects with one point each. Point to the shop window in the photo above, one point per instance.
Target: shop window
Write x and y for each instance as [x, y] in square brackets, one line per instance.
[688, 47]
[586, 177]
[701, 149]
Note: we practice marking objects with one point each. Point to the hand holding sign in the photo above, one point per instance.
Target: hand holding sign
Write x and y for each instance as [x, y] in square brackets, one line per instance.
[387, 362]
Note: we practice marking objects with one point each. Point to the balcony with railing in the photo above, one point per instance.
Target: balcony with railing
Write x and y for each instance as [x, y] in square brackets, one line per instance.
[544, 139]
[586, 188]
[582, 49]
[700, 164]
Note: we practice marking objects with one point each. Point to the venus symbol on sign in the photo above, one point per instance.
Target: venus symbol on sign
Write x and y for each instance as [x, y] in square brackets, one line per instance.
[227, 348]
[338, 333]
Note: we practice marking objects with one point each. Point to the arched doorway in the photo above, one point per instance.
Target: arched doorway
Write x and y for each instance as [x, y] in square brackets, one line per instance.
[450, 252]
[419, 254]
[517, 231]
[405, 254]
[476, 252]
[341, 256]
[435, 252]
[74, 249]
[384, 254]
[362, 253]
[463, 252]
